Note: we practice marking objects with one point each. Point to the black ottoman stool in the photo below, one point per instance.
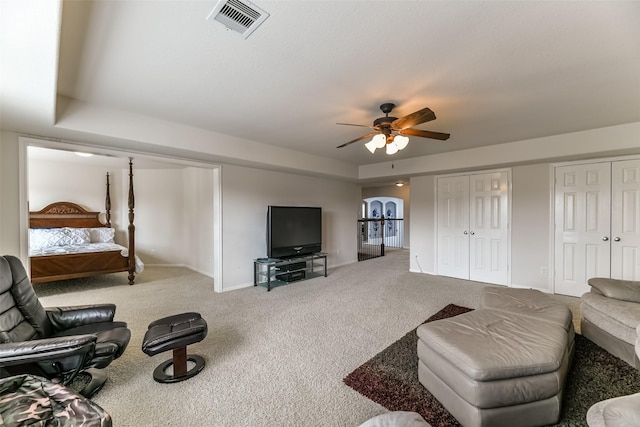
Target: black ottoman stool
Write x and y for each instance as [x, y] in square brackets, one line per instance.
[175, 333]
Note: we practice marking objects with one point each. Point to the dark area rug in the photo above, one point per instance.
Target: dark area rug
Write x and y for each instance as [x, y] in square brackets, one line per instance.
[391, 379]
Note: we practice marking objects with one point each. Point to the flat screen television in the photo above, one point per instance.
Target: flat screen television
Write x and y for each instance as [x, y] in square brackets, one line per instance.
[293, 231]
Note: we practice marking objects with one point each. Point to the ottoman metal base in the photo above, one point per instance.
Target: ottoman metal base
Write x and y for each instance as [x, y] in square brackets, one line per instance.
[180, 371]
[175, 333]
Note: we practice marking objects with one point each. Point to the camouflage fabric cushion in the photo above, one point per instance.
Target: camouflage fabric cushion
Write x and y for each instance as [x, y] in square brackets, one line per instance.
[28, 400]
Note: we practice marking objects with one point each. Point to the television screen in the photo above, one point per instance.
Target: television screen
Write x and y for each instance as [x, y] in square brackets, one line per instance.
[293, 230]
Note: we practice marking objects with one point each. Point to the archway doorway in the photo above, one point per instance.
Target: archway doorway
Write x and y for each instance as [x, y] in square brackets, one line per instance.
[381, 227]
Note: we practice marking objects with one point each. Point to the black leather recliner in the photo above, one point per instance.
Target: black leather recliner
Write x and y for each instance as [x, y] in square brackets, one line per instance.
[57, 343]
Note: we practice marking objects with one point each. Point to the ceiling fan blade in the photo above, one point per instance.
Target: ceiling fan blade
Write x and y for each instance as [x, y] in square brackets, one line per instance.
[357, 139]
[421, 116]
[351, 124]
[425, 134]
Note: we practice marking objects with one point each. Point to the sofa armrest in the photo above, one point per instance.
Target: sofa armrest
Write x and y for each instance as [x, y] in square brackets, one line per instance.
[69, 317]
[23, 352]
[623, 290]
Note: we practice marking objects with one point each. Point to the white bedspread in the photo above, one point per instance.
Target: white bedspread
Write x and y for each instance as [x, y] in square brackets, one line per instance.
[86, 248]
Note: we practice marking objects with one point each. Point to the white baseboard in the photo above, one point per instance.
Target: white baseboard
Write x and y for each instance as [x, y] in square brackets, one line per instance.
[204, 273]
[413, 270]
[236, 287]
[165, 265]
[341, 265]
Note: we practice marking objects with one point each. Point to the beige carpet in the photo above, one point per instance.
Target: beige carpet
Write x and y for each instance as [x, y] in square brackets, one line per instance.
[273, 358]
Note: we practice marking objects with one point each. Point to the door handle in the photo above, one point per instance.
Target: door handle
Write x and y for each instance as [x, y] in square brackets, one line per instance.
[472, 233]
[616, 239]
[466, 232]
[605, 238]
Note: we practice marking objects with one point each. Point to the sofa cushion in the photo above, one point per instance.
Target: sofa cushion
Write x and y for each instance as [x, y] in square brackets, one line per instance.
[623, 290]
[616, 317]
[511, 345]
[617, 412]
[527, 302]
[496, 393]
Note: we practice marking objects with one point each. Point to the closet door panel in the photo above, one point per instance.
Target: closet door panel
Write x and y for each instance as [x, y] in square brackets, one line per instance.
[582, 226]
[489, 228]
[453, 226]
[625, 220]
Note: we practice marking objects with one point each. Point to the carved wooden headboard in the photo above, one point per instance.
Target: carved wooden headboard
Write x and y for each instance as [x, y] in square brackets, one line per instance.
[64, 214]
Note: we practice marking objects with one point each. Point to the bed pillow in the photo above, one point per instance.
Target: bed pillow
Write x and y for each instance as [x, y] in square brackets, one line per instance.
[41, 238]
[102, 234]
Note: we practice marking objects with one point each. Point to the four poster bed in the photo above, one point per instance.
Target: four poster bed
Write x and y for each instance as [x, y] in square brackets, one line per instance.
[66, 242]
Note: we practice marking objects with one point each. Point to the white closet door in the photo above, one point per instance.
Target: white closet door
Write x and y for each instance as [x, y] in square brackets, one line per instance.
[489, 228]
[582, 226]
[453, 226]
[625, 220]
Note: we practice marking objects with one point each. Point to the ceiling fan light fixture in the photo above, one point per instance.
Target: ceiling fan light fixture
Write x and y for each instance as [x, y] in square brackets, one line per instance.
[379, 140]
[371, 146]
[401, 141]
[392, 148]
[391, 131]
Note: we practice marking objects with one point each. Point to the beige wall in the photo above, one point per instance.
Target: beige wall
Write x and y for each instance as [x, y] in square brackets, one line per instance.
[530, 222]
[173, 214]
[423, 235]
[199, 219]
[169, 203]
[246, 193]
[160, 217]
[9, 195]
[74, 182]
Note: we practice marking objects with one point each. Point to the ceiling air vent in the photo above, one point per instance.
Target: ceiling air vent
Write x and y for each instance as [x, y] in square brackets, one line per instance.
[241, 16]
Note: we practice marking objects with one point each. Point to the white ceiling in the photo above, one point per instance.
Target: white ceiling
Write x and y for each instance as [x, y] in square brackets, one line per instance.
[492, 71]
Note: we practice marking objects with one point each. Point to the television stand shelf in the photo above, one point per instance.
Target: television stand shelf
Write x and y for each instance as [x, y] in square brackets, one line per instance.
[271, 272]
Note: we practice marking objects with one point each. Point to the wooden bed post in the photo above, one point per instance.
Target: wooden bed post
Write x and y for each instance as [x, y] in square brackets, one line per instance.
[107, 204]
[132, 228]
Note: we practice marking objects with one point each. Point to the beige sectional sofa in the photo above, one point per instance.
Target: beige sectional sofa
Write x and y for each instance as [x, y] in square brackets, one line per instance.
[623, 411]
[610, 314]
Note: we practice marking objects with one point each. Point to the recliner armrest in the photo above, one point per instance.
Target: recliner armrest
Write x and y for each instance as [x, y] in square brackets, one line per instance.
[69, 317]
[20, 353]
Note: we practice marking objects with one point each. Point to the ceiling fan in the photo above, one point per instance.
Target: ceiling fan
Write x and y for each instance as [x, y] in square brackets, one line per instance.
[391, 132]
